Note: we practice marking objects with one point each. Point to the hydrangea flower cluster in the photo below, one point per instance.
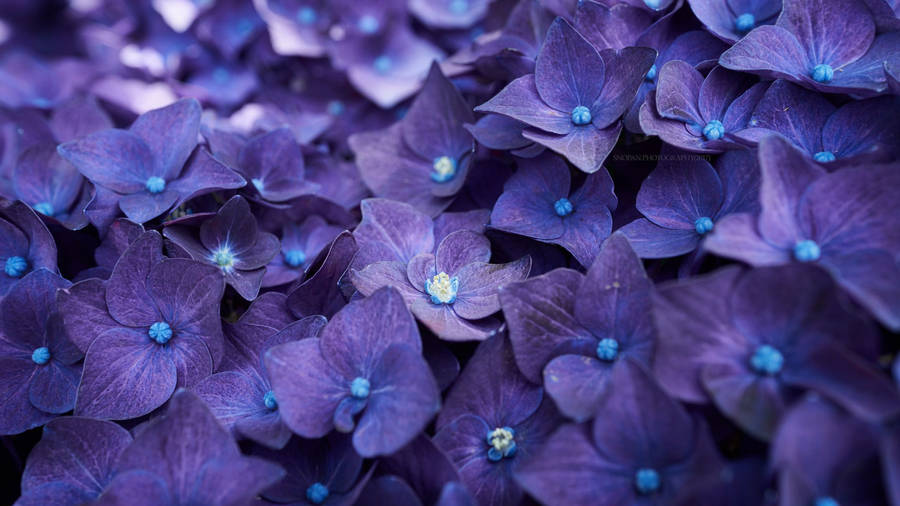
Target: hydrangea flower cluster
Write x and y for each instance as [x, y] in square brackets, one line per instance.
[450, 252]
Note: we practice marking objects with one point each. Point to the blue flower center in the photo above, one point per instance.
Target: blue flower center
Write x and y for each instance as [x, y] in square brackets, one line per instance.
[651, 74]
[714, 130]
[155, 184]
[581, 115]
[703, 225]
[160, 332]
[15, 266]
[443, 169]
[745, 22]
[307, 15]
[382, 64]
[607, 349]
[653, 4]
[767, 360]
[502, 444]
[244, 26]
[44, 208]
[223, 257]
[294, 257]
[822, 73]
[442, 288]
[807, 251]
[258, 184]
[221, 75]
[317, 493]
[646, 481]
[368, 24]
[826, 501]
[459, 6]
[335, 108]
[359, 388]
[824, 157]
[40, 356]
[563, 207]
[269, 401]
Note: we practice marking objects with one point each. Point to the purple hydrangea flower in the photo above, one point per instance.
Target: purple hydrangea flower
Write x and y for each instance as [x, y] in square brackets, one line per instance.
[152, 327]
[573, 331]
[748, 343]
[848, 473]
[27, 81]
[25, 245]
[453, 291]
[825, 45]
[860, 131]
[39, 368]
[682, 200]
[73, 462]
[50, 185]
[326, 291]
[367, 363]
[423, 159]
[697, 114]
[143, 169]
[324, 471]
[232, 242]
[843, 222]
[186, 457]
[538, 202]
[239, 394]
[273, 165]
[493, 422]
[696, 47]
[575, 97]
[730, 20]
[300, 246]
[645, 448]
[420, 473]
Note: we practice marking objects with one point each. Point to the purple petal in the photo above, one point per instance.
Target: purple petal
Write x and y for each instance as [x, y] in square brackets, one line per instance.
[115, 159]
[308, 389]
[177, 445]
[480, 283]
[433, 125]
[53, 387]
[786, 174]
[586, 147]
[569, 72]
[80, 452]
[126, 375]
[650, 240]
[171, 134]
[356, 336]
[460, 249]
[677, 195]
[404, 398]
[519, 100]
[770, 51]
[492, 387]
[84, 312]
[127, 296]
[540, 315]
